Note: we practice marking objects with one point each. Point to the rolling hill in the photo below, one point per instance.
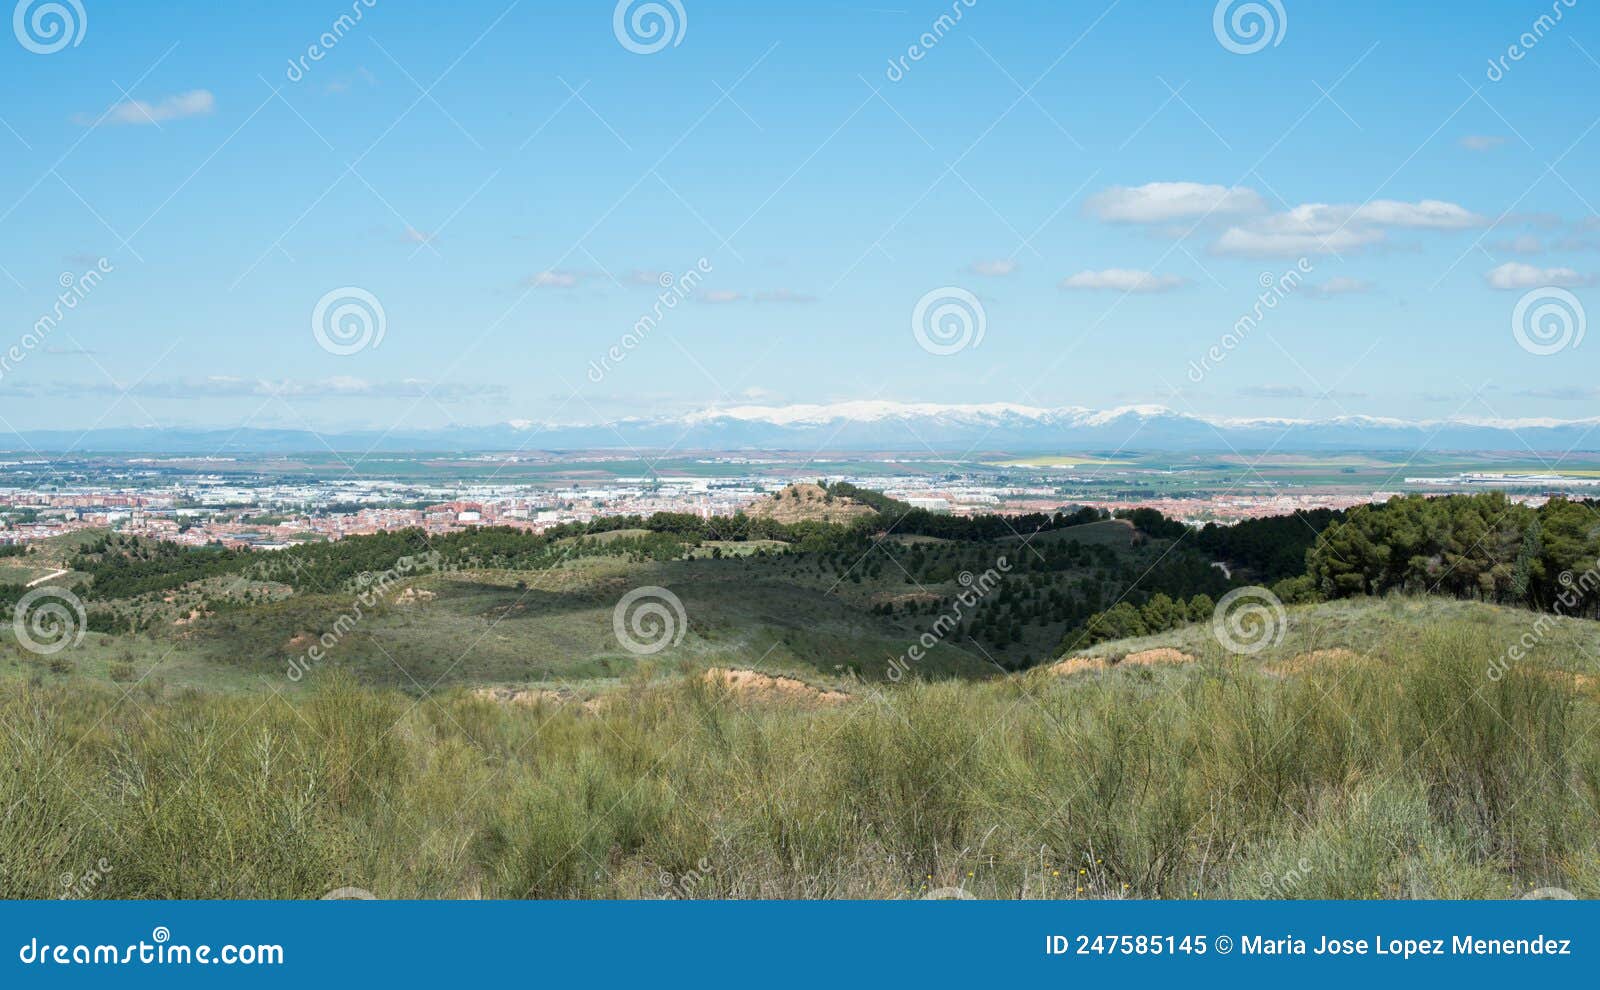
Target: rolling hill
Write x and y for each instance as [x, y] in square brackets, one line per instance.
[884, 708]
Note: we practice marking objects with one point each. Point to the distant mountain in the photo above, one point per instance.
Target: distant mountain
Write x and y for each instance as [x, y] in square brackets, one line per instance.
[862, 426]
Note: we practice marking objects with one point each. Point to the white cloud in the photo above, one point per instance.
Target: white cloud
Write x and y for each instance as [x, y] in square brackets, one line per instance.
[554, 279]
[1482, 142]
[1430, 214]
[1122, 280]
[783, 296]
[1516, 275]
[995, 269]
[1542, 219]
[1162, 202]
[231, 387]
[194, 103]
[1270, 244]
[1273, 392]
[1522, 244]
[1340, 286]
[1324, 228]
[792, 297]
[1295, 392]
[1567, 394]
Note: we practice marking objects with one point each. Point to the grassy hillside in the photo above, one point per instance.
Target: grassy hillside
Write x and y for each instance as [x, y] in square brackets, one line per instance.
[837, 711]
[847, 609]
[804, 502]
[1410, 774]
[1388, 628]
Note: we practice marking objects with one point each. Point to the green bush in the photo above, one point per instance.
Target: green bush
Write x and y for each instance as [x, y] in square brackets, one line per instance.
[1418, 775]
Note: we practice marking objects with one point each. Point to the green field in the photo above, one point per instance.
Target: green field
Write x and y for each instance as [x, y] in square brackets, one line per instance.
[815, 723]
[1085, 473]
[1412, 775]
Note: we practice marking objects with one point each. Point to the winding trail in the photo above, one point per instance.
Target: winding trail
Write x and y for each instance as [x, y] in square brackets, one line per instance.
[49, 577]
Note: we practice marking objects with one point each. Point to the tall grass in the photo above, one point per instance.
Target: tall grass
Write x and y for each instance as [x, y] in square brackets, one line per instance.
[1418, 776]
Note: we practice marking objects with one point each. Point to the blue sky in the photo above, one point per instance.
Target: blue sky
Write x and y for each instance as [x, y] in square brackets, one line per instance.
[1110, 182]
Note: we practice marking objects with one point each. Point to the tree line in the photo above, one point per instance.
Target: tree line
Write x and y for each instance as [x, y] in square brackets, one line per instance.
[1483, 547]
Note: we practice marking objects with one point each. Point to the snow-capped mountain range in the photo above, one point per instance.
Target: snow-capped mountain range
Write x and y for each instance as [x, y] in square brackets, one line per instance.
[910, 427]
